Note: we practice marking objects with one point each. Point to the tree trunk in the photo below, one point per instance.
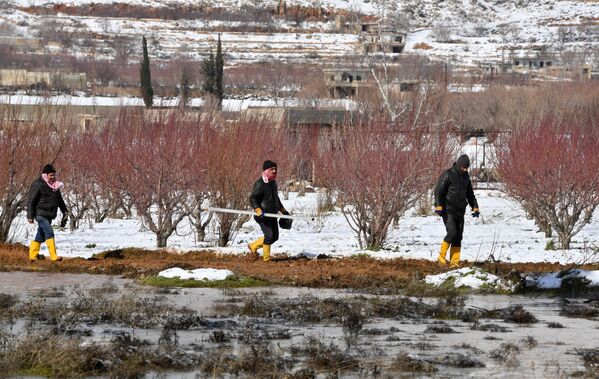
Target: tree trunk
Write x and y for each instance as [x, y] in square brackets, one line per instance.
[200, 233]
[161, 240]
[564, 240]
[302, 188]
[5, 224]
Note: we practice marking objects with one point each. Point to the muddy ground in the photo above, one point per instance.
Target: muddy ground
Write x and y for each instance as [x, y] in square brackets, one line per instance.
[352, 272]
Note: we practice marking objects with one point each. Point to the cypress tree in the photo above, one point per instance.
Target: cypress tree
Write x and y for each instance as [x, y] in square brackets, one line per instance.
[218, 74]
[208, 70]
[147, 92]
[184, 87]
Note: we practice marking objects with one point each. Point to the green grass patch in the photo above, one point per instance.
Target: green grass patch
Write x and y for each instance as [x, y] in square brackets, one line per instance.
[231, 282]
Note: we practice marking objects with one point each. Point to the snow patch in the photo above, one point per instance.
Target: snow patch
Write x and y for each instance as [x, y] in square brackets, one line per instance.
[554, 280]
[208, 274]
[467, 277]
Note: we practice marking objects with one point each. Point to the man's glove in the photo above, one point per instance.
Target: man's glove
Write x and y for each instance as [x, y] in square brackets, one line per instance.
[63, 221]
[439, 210]
[284, 211]
[259, 213]
[475, 212]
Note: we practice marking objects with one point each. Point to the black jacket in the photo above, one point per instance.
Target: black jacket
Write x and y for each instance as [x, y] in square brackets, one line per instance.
[454, 191]
[266, 196]
[43, 201]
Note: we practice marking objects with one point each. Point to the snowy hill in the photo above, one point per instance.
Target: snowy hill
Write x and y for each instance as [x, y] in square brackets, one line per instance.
[462, 31]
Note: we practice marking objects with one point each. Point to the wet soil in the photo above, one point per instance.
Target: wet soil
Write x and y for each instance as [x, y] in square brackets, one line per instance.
[351, 272]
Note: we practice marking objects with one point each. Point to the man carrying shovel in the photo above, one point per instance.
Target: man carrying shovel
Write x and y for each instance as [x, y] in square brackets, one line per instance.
[265, 199]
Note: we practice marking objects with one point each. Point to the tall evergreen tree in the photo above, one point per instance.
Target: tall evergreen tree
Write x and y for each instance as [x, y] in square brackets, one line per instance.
[208, 70]
[218, 71]
[147, 92]
[184, 87]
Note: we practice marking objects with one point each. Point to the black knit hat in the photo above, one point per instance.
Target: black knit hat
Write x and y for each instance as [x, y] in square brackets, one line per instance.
[463, 161]
[48, 169]
[268, 164]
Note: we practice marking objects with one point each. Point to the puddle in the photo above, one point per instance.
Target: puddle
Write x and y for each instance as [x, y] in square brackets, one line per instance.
[205, 332]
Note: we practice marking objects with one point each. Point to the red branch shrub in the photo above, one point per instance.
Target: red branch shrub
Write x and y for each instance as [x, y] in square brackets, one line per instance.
[24, 148]
[551, 168]
[378, 172]
[233, 160]
[154, 158]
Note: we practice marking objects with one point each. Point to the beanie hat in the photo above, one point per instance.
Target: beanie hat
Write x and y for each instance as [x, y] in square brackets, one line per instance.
[463, 161]
[48, 169]
[268, 164]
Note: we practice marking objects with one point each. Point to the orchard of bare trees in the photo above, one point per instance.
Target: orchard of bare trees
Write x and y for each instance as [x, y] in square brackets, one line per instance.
[163, 167]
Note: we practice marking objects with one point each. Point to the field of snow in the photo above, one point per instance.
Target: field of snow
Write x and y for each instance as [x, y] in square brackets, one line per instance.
[476, 30]
[502, 231]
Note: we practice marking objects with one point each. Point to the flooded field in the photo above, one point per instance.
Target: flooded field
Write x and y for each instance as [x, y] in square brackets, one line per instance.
[79, 325]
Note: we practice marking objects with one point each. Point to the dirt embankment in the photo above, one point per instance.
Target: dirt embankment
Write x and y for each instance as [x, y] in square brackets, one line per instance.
[327, 272]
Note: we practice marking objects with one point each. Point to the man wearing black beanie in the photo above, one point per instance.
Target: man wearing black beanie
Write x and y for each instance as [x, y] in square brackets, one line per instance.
[452, 193]
[265, 199]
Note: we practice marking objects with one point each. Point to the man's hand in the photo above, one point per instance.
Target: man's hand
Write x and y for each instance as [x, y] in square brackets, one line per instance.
[284, 211]
[475, 212]
[259, 212]
[63, 221]
[30, 220]
[439, 210]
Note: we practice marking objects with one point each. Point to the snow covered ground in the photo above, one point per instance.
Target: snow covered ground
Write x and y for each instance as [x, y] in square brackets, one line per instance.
[231, 105]
[476, 31]
[502, 231]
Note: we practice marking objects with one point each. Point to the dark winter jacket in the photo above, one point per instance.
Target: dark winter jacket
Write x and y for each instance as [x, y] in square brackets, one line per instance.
[454, 191]
[266, 196]
[43, 201]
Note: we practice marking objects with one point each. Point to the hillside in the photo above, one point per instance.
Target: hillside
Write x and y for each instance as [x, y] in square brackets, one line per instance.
[464, 32]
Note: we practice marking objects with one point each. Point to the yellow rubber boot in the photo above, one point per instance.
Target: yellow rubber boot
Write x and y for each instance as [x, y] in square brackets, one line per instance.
[254, 246]
[443, 253]
[455, 257]
[34, 250]
[52, 250]
[266, 251]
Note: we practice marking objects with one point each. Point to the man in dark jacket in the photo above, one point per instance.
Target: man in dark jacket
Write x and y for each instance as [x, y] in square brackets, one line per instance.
[452, 193]
[265, 199]
[44, 200]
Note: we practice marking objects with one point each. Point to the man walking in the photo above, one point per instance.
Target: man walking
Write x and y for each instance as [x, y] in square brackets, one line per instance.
[44, 200]
[265, 199]
[452, 193]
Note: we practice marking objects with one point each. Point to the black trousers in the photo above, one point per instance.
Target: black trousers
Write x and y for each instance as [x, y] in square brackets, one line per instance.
[454, 225]
[270, 228]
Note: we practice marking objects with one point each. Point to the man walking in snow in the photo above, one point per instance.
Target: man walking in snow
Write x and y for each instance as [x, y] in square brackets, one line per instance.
[265, 199]
[452, 193]
[44, 200]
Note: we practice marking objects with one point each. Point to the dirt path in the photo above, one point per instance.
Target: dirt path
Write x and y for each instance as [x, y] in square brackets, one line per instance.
[327, 272]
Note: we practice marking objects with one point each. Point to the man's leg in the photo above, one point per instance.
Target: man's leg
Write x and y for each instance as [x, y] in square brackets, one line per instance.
[456, 247]
[450, 229]
[34, 247]
[44, 223]
[271, 234]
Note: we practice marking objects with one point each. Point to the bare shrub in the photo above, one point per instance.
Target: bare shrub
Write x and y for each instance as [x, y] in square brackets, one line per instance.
[550, 167]
[233, 157]
[155, 165]
[379, 172]
[24, 148]
[442, 32]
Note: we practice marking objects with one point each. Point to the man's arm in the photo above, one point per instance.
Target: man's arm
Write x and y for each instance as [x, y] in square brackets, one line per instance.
[441, 189]
[34, 197]
[256, 195]
[470, 196]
